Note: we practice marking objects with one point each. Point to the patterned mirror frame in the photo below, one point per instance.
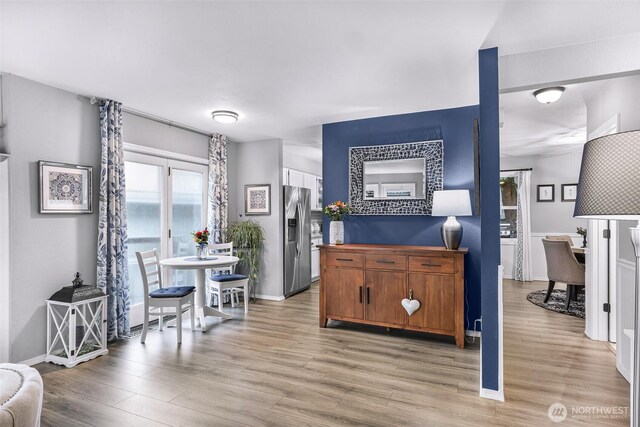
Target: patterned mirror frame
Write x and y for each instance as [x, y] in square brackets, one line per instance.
[431, 151]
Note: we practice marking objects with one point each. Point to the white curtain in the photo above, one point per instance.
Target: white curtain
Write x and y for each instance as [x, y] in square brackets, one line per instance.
[523, 228]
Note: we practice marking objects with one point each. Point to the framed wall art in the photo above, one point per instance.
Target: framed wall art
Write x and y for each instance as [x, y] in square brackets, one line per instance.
[65, 188]
[257, 199]
[546, 193]
[569, 192]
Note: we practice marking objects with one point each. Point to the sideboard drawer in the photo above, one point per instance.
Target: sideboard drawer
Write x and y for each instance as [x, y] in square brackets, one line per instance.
[345, 259]
[431, 264]
[386, 262]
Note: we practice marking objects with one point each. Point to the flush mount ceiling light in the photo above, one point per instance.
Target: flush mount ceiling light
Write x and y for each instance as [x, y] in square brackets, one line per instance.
[548, 94]
[224, 116]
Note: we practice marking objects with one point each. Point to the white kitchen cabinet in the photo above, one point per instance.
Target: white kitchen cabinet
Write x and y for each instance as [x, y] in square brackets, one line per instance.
[310, 182]
[296, 178]
[305, 180]
[315, 258]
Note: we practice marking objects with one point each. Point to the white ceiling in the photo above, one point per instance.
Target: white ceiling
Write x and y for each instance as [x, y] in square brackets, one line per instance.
[286, 67]
[529, 128]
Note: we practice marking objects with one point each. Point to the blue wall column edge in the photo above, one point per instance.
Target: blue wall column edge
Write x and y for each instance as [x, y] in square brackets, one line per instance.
[489, 219]
[455, 127]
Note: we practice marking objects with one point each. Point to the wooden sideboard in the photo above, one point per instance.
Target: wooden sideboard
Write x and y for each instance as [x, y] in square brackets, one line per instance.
[366, 284]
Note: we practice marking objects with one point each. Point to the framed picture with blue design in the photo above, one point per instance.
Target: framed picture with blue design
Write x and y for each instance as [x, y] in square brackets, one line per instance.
[65, 188]
[257, 199]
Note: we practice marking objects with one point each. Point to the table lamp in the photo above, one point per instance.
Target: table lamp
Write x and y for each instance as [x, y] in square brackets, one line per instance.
[609, 188]
[451, 203]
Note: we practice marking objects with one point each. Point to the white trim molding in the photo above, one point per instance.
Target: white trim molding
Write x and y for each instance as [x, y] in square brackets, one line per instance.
[625, 298]
[143, 149]
[5, 278]
[270, 297]
[34, 360]
[596, 291]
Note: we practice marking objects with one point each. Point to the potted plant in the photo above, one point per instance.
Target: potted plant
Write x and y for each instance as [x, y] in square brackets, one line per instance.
[247, 237]
[336, 211]
[583, 232]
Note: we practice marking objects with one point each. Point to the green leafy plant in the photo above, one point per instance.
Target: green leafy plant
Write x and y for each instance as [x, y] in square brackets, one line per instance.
[247, 237]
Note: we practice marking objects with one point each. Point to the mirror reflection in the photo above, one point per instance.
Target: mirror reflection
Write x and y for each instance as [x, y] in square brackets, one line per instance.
[394, 179]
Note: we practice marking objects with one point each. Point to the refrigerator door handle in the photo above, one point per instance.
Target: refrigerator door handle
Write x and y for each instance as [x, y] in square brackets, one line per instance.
[300, 231]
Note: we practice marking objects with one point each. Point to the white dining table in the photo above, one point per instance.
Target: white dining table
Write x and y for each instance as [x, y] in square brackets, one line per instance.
[201, 265]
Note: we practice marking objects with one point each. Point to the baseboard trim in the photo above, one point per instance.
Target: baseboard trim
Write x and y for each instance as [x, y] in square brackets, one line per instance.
[487, 393]
[270, 297]
[34, 360]
[471, 333]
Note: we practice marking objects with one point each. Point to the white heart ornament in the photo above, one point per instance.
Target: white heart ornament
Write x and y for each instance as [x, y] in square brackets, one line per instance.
[411, 305]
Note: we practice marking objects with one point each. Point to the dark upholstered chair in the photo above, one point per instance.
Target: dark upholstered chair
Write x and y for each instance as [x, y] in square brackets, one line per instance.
[563, 267]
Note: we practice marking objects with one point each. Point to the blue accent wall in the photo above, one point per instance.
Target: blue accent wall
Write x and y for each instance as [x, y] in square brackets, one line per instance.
[455, 128]
[490, 213]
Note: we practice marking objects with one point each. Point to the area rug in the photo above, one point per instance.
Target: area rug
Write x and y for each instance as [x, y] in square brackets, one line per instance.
[556, 302]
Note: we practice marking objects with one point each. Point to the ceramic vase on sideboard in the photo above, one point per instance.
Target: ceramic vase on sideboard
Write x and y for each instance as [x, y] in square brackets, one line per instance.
[336, 232]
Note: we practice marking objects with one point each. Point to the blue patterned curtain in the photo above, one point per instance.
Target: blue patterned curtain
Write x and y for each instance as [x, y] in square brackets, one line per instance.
[113, 276]
[218, 187]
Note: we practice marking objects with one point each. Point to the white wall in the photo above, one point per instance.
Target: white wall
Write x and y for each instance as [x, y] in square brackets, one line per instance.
[551, 217]
[141, 131]
[45, 123]
[292, 158]
[619, 97]
[260, 162]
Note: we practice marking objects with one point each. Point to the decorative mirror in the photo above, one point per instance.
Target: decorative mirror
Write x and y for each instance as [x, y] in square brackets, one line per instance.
[397, 179]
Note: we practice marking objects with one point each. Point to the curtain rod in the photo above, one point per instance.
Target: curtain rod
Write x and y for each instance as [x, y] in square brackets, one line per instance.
[157, 119]
[516, 170]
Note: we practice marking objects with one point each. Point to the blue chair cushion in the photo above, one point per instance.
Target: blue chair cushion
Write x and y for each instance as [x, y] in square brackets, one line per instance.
[228, 277]
[172, 292]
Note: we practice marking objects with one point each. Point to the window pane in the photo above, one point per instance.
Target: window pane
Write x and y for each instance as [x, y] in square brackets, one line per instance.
[144, 214]
[509, 191]
[508, 223]
[187, 217]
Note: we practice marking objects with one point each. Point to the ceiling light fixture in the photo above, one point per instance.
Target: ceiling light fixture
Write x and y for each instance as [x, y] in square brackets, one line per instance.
[224, 116]
[548, 94]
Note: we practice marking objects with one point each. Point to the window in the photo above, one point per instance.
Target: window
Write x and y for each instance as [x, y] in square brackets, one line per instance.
[166, 201]
[508, 205]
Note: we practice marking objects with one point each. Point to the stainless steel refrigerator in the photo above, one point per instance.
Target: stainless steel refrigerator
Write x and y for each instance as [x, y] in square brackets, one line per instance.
[297, 239]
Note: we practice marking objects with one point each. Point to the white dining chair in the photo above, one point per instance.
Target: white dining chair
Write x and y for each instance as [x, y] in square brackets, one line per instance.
[162, 301]
[225, 281]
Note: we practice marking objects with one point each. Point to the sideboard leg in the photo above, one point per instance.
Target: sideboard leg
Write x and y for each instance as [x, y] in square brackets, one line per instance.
[460, 340]
[323, 322]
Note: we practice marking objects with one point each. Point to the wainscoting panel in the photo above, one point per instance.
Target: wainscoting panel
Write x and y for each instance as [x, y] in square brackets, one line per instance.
[625, 300]
[538, 260]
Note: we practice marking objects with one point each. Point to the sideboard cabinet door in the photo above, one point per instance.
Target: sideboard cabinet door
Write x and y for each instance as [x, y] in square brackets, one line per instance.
[384, 292]
[346, 288]
[437, 297]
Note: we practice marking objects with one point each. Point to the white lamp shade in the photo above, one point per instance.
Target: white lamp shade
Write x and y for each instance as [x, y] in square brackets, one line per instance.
[451, 203]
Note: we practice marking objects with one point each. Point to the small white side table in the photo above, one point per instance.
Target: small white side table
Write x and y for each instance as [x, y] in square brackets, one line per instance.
[76, 331]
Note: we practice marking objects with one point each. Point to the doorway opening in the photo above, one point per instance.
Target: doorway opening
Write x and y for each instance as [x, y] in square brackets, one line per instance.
[548, 139]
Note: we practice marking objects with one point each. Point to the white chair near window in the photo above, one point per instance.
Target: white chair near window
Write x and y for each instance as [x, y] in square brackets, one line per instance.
[162, 301]
[225, 281]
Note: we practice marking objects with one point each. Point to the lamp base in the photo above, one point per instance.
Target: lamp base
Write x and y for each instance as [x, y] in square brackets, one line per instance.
[451, 233]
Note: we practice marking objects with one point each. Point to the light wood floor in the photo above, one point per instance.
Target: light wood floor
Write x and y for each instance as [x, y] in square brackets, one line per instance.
[276, 367]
